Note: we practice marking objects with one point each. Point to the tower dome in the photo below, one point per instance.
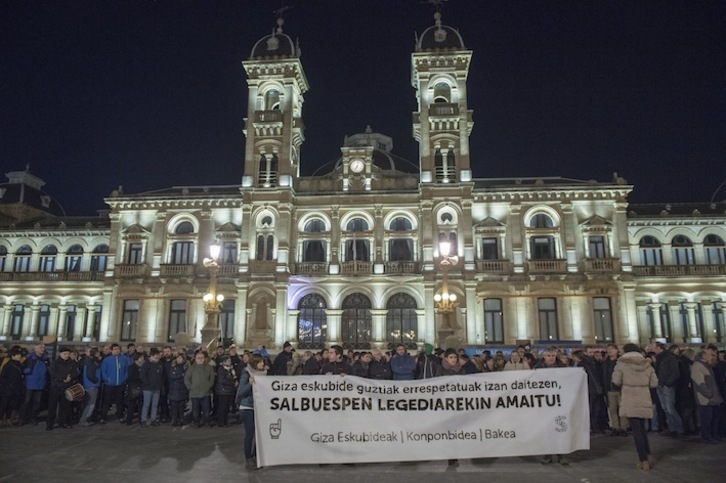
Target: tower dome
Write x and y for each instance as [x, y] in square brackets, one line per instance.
[277, 44]
[439, 37]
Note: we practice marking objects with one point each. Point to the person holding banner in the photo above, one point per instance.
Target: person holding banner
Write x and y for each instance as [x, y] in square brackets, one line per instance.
[246, 406]
[635, 375]
[550, 360]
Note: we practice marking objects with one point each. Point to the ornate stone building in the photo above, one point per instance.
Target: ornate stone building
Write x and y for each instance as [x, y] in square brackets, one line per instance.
[372, 250]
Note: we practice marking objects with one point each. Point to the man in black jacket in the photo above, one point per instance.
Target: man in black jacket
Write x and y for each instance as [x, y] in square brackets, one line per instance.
[279, 365]
[63, 374]
[668, 372]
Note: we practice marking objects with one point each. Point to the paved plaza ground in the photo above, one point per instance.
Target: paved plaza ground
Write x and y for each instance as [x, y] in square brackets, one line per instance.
[116, 452]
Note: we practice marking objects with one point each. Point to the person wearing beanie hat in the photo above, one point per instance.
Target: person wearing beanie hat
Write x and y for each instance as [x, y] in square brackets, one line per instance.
[427, 364]
[636, 376]
[279, 365]
[63, 374]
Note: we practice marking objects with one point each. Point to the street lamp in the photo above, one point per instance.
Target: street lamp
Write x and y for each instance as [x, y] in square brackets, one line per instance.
[212, 300]
[445, 301]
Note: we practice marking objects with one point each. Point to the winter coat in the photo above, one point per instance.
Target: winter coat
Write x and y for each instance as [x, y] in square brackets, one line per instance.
[360, 369]
[427, 366]
[704, 383]
[635, 376]
[403, 367]
[152, 376]
[36, 372]
[226, 384]
[11, 379]
[60, 370]
[516, 366]
[666, 367]
[608, 366]
[595, 386]
[244, 397]
[175, 380]
[199, 379]
[91, 373]
[311, 367]
[279, 365]
[379, 370]
[114, 370]
[336, 368]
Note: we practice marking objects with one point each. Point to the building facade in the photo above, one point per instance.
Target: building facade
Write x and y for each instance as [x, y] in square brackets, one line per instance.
[372, 250]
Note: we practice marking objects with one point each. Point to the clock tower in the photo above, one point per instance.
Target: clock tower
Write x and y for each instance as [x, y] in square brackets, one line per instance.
[443, 122]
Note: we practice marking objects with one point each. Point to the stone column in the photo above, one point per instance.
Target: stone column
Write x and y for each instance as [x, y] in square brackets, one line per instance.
[6, 320]
[657, 327]
[90, 320]
[62, 315]
[334, 317]
[34, 319]
[54, 321]
[81, 320]
[692, 326]
[379, 327]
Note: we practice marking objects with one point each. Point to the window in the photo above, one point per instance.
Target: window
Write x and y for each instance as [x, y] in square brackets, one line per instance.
[44, 320]
[442, 92]
[3, 258]
[715, 250]
[226, 320]
[493, 321]
[401, 321]
[659, 321]
[272, 100]
[229, 253]
[400, 249]
[267, 175]
[313, 250]
[452, 239]
[129, 320]
[596, 246]
[70, 322]
[603, 318]
[96, 314]
[177, 318]
[490, 248]
[650, 251]
[134, 256]
[543, 248]
[312, 324]
[47, 258]
[548, 319]
[445, 164]
[695, 332]
[184, 228]
[356, 322]
[74, 256]
[541, 220]
[718, 321]
[99, 258]
[356, 248]
[265, 246]
[22, 259]
[182, 253]
[683, 251]
[16, 321]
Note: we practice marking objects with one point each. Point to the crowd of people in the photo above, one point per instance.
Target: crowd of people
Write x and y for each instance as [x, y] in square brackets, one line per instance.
[653, 389]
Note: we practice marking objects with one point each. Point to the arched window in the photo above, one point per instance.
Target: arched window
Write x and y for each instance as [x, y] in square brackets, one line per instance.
[99, 258]
[272, 100]
[22, 259]
[401, 321]
[683, 253]
[714, 250]
[313, 248]
[74, 256]
[312, 324]
[650, 251]
[442, 92]
[265, 239]
[47, 258]
[357, 248]
[356, 322]
[267, 173]
[541, 220]
[184, 228]
[400, 244]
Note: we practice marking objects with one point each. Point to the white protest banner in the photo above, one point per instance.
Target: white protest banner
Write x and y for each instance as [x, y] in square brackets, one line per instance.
[334, 419]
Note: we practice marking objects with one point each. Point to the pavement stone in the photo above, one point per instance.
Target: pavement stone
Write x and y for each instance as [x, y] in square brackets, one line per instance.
[115, 452]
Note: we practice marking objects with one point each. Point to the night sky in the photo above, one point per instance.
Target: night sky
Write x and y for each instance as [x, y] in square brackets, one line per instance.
[150, 94]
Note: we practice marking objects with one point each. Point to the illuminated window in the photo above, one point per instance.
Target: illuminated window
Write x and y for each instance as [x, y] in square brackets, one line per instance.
[401, 321]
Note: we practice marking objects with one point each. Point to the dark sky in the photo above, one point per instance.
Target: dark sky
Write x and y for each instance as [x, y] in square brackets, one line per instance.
[149, 94]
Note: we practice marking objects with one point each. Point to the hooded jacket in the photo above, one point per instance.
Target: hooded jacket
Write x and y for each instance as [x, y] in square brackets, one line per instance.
[704, 383]
[635, 376]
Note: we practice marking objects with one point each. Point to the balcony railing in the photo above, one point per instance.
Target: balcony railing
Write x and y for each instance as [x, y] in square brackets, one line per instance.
[135, 270]
[268, 116]
[547, 266]
[357, 266]
[172, 270]
[312, 268]
[51, 276]
[444, 110]
[493, 266]
[401, 267]
[228, 270]
[679, 270]
[602, 265]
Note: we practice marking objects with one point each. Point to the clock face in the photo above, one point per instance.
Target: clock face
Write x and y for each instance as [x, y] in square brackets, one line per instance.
[357, 165]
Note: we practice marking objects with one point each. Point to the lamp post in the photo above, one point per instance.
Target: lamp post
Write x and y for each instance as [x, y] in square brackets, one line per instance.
[212, 300]
[445, 301]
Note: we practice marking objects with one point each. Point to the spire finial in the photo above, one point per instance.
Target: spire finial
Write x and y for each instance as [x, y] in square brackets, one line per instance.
[278, 13]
